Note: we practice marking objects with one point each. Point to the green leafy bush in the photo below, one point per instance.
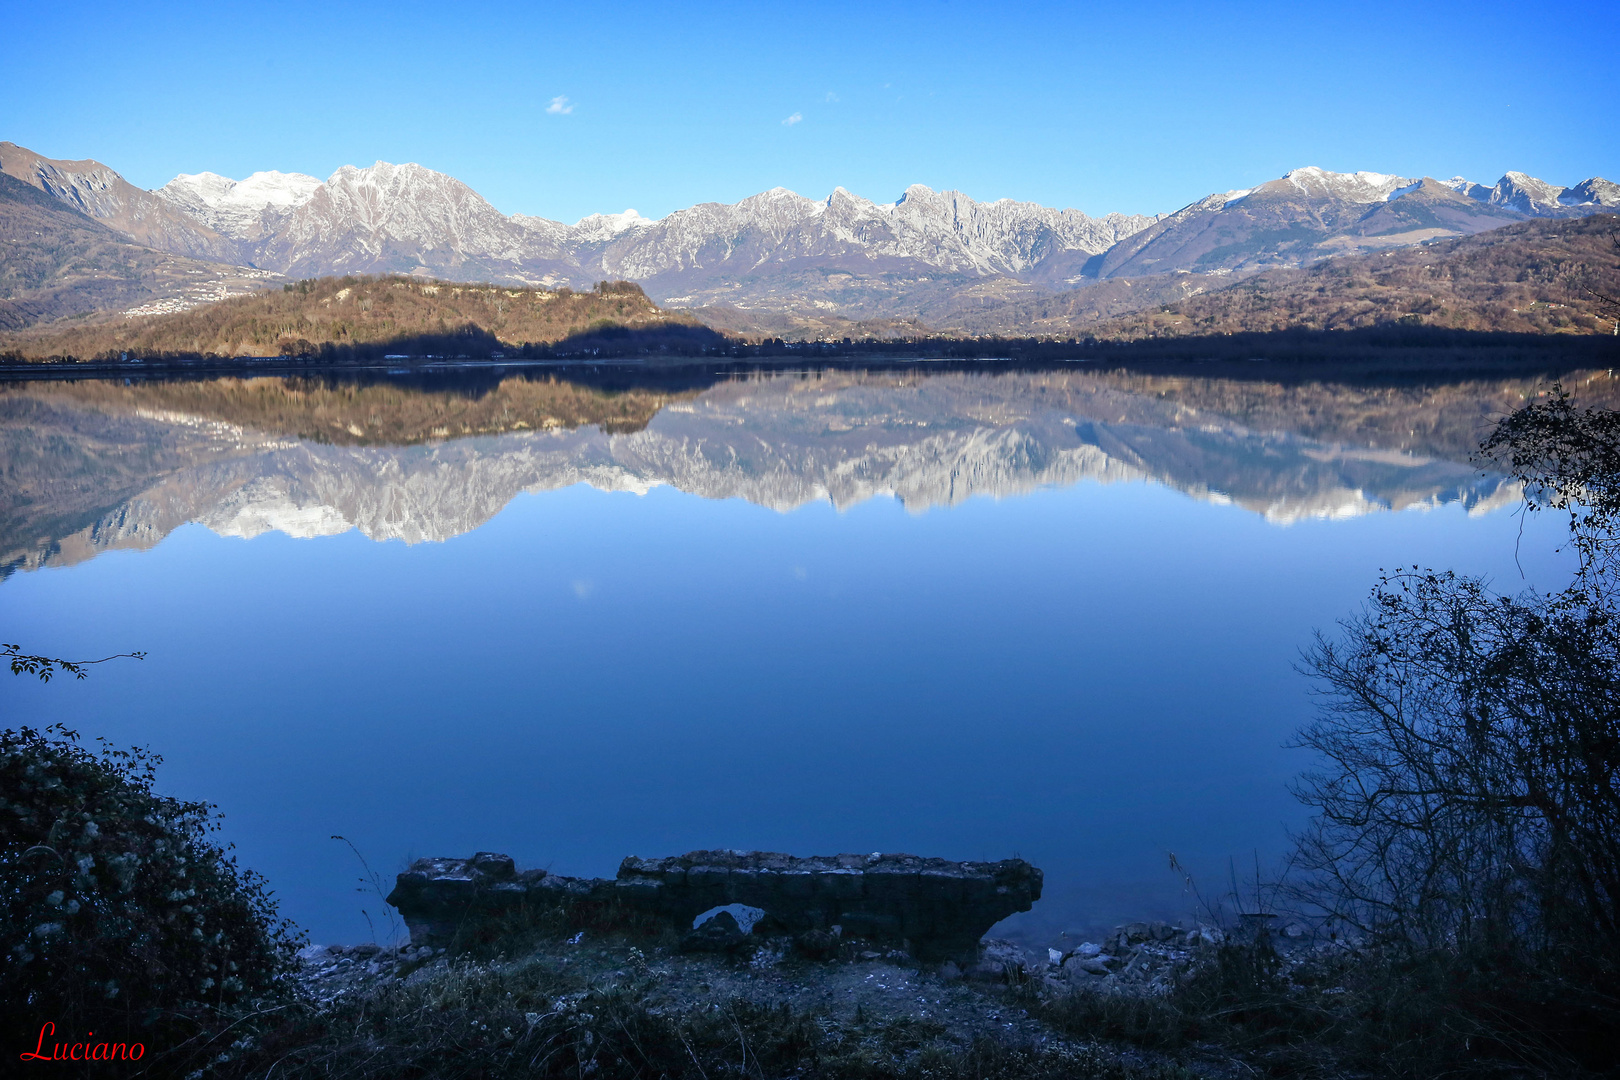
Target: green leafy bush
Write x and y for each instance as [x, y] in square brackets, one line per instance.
[117, 910]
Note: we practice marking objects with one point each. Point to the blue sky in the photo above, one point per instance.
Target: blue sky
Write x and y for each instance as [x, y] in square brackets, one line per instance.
[1138, 107]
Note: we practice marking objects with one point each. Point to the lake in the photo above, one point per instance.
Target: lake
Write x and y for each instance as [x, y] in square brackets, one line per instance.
[581, 614]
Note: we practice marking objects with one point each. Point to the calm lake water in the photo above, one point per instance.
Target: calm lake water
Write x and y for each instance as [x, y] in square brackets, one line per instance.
[574, 618]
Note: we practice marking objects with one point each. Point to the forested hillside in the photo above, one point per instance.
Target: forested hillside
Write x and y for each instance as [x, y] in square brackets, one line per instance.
[1536, 277]
[367, 314]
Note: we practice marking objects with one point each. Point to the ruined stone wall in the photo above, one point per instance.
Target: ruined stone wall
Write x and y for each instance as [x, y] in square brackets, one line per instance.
[936, 908]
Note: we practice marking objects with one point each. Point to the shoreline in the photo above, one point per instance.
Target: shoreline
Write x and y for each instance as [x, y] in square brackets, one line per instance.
[1413, 365]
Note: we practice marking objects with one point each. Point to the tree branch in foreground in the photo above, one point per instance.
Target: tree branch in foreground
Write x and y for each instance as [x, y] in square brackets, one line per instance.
[46, 666]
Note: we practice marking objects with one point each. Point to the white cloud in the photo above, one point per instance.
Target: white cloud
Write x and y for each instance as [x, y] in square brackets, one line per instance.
[831, 97]
[560, 106]
[794, 119]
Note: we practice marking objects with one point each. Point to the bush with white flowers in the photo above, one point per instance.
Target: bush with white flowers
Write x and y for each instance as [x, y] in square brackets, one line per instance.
[116, 905]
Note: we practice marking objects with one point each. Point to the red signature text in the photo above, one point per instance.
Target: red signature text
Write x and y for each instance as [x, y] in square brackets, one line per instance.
[81, 1051]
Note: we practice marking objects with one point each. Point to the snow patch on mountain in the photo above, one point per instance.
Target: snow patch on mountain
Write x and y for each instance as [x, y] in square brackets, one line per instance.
[1464, 186]
[241, 209]
[1357, 187]
[601, 228]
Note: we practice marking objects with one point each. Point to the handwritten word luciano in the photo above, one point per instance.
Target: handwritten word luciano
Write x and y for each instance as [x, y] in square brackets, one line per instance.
[82, 1051]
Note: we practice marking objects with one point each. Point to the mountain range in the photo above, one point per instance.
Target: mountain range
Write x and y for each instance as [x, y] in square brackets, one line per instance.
[1535, 276]
[938, 257]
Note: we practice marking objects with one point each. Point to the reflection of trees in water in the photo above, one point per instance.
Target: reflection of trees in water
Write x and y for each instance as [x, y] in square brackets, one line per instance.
[382, 412]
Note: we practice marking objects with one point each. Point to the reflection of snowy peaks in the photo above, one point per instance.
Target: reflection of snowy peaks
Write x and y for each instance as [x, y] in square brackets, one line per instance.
[779, 443]
[423, 494]
[1477, 495]
[263, 506]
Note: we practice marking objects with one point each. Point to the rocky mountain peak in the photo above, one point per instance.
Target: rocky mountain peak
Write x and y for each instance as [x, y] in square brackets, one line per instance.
[1356, 187]
[1594, 192]
[1525, 193]
[605, 228]
[1537, 198]
[399, 218]
[844, 201]
[88, 186]
[405, 200]
[779, 206]
[98, 191]
[1464, 186]
[241, 209]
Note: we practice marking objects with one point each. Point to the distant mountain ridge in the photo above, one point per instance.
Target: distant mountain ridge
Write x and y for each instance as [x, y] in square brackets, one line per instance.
[929, 255]
[404, 218]
[1310, 214]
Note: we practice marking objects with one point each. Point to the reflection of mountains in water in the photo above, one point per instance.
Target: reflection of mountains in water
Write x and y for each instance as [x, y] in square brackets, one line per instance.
[91, 467]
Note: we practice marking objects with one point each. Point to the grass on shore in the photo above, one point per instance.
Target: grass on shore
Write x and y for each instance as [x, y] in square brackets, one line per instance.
[531, 1019]
[1240, 1010]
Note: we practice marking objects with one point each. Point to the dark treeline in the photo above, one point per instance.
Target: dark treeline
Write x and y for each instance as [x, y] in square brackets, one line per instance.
[1397, 346]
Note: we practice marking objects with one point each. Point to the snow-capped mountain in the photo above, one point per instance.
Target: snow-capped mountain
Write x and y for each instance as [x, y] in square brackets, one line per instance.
[598, 228]
[1310, 214]
[244, 210]
[404, 217]
[1537, 198]
[1356, 187]
[928, 254]
[944, 231]
[925, 253]
[398, 218]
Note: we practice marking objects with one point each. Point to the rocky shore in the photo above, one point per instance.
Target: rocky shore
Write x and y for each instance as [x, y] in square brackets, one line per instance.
[860, 982]
[1139, 958]
[885, 1003]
